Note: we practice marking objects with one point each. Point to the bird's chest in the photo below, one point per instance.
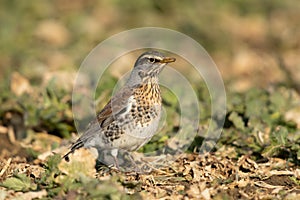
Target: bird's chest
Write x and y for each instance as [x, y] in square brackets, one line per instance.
[143, 111]
[139, 122]
[146, 103]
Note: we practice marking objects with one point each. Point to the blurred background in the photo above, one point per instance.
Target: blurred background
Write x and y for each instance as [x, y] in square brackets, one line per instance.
[42, 44]
[253, 43]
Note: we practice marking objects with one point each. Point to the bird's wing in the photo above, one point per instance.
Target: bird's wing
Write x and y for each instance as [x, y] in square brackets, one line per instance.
[114, 107]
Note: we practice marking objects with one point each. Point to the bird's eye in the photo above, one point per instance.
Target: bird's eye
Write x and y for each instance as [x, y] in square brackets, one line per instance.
[152, 60]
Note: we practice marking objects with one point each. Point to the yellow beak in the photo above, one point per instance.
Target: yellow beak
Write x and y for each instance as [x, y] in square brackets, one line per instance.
[168, 60]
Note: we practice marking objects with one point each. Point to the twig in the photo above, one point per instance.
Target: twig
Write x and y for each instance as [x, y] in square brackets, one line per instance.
[5, 167]
[11, 135]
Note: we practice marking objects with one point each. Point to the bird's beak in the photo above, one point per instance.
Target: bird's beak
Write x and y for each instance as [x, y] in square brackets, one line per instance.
[168, 60]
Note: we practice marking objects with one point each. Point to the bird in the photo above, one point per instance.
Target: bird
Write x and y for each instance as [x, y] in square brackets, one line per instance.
[131, 117]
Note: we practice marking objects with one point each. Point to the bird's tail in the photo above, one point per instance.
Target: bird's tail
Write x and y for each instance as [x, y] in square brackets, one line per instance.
[78, 144]
[88, 135]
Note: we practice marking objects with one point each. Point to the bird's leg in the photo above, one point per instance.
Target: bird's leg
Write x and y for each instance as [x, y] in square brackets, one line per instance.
[136, 168]
[114, 153]
[131, 164]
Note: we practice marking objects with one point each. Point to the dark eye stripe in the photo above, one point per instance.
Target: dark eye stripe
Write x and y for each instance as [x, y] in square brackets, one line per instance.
[154, 60]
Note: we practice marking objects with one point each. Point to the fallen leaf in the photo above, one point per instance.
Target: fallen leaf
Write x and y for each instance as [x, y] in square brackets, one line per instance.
[33, 195]
[53, 32]
[82, 163]
[19, 84]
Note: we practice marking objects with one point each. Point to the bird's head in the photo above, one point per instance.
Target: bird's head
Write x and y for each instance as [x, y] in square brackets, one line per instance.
[149, 65]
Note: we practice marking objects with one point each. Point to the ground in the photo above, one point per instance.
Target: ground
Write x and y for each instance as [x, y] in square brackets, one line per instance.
[255, 46]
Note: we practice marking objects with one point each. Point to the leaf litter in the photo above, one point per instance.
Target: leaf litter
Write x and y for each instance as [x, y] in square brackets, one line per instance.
[257, 156]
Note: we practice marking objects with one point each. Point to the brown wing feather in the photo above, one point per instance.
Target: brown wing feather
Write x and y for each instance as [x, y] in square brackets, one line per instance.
[103, 119]
[114, 107]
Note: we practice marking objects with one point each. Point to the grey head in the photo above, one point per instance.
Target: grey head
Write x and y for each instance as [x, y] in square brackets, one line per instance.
[148, 65]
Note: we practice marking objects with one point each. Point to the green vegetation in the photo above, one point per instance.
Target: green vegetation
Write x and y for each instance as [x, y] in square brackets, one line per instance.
[255, 45]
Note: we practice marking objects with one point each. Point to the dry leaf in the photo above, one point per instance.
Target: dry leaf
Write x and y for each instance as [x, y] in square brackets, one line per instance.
[19, 84]
[3, 130]
[293, 115]
[53, 32]
[82, 162]
[32, 195]
[206, 194]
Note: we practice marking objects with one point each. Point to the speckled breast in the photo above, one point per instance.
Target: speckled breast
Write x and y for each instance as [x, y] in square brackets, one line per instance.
[140, 122]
